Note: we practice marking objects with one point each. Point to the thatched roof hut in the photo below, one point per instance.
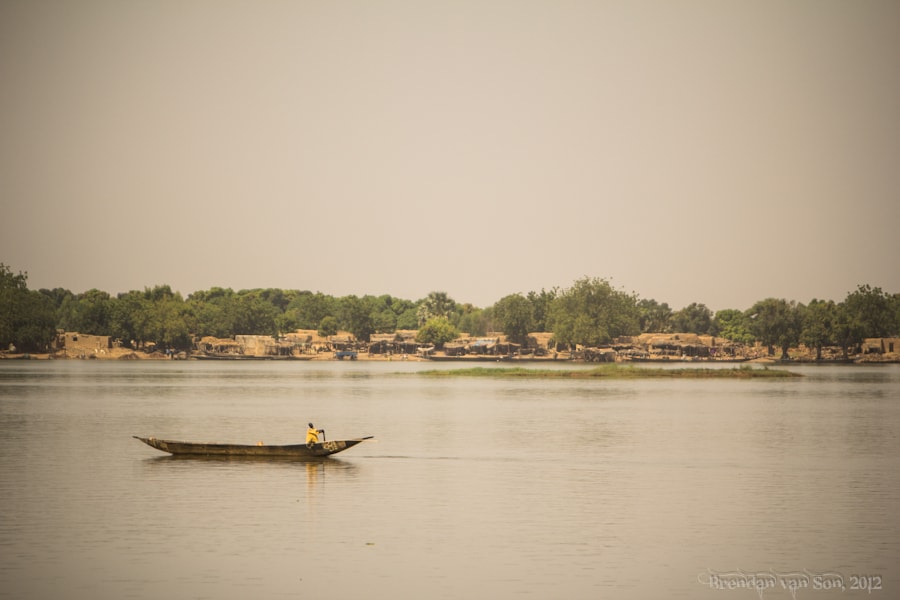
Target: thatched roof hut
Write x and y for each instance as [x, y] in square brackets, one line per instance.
[213, 345]
[258, 345]
[482, 346]
[540, 339]
[342, 340]
[455, 348]
[671, 344]
[382, 343]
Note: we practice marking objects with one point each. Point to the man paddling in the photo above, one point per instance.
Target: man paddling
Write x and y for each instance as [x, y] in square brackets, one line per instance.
[312, 434]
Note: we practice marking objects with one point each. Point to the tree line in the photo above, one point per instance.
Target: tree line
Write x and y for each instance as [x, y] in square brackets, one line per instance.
[591, 312]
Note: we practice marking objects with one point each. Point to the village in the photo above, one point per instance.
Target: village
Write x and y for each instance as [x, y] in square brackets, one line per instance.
[402, 345]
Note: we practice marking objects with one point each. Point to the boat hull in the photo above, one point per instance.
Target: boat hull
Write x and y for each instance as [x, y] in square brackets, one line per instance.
[294, 451]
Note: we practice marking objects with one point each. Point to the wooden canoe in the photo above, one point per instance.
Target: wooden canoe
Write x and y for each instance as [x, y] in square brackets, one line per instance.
[296, 451]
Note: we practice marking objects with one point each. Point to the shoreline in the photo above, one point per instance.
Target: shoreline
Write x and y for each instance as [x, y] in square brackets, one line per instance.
[127, 354]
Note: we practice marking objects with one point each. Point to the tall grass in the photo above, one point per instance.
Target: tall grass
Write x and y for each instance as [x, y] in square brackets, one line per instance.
[613, 371]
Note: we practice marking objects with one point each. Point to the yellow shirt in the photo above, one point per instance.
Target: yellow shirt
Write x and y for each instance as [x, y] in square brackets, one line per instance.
[312, 436]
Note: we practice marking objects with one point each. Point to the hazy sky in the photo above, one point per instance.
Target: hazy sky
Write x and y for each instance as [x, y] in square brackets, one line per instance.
[700, 151]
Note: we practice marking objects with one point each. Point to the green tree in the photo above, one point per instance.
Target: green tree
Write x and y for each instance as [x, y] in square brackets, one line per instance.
[693, 318]
[91, 312]
[306, 310]
[865, 312]
[12, 292]
[514, 315]
[214, 311]
[384, 321]
[57, 296]
[129, 316]
[895, 303]
[159, 292]
[847, 328]
[27, 320]
[592, 313]
[66, 317]
[381, 313]
[212, 317]
[408, 319]
[873, 311]
[654, 317]
[733, 324]
[436, 304]
[36, 328]
[328, 326]
[818, 329]
[776, 323]
[276, 297]
[355, 316]
[476, 322]
[437, 331]
[169, 323]
[541, 308]
[253, 315]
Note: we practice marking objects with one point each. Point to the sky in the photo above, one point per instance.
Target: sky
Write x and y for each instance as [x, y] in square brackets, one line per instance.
[716, 151]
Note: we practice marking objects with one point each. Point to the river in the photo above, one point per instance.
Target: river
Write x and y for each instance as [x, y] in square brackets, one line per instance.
[472, 488]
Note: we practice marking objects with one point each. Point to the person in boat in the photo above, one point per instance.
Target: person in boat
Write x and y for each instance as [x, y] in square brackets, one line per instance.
[312, 434]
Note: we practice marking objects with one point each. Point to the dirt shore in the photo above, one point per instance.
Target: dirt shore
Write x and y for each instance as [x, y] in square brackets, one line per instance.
[127, 354]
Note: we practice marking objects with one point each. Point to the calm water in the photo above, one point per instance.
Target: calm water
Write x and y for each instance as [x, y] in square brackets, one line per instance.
[474, 489]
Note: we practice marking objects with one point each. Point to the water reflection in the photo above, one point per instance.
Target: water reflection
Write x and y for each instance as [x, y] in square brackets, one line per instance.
[581, 489]
[314, 469]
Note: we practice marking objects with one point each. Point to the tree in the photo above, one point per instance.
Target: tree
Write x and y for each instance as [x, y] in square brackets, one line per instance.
[874, 312]
[57, 296]
[436, 304]
[514, 315]
[693, 318]
[654, 317]
[355, 316]
[168, 322]
[592, 313]
[276, 297]
[159, 292]
[776, 322]
[91, 312]
[895, 301]
[12, 289]
[733, 324]
[476, 322]
[129, 316]
[253, 315]
[307, 310]
[818, 329]
[865, 312]
[36, 327]
[328, 326]
[213, 312]
[27, 321]
[384, 321]
[408, 319]
[437, 331]
[541, 307]
[382, 313]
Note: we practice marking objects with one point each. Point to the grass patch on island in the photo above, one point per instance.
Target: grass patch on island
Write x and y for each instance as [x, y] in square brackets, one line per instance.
[613, 371]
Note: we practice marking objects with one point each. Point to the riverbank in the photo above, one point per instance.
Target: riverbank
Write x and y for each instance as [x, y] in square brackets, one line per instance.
[128, 354]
